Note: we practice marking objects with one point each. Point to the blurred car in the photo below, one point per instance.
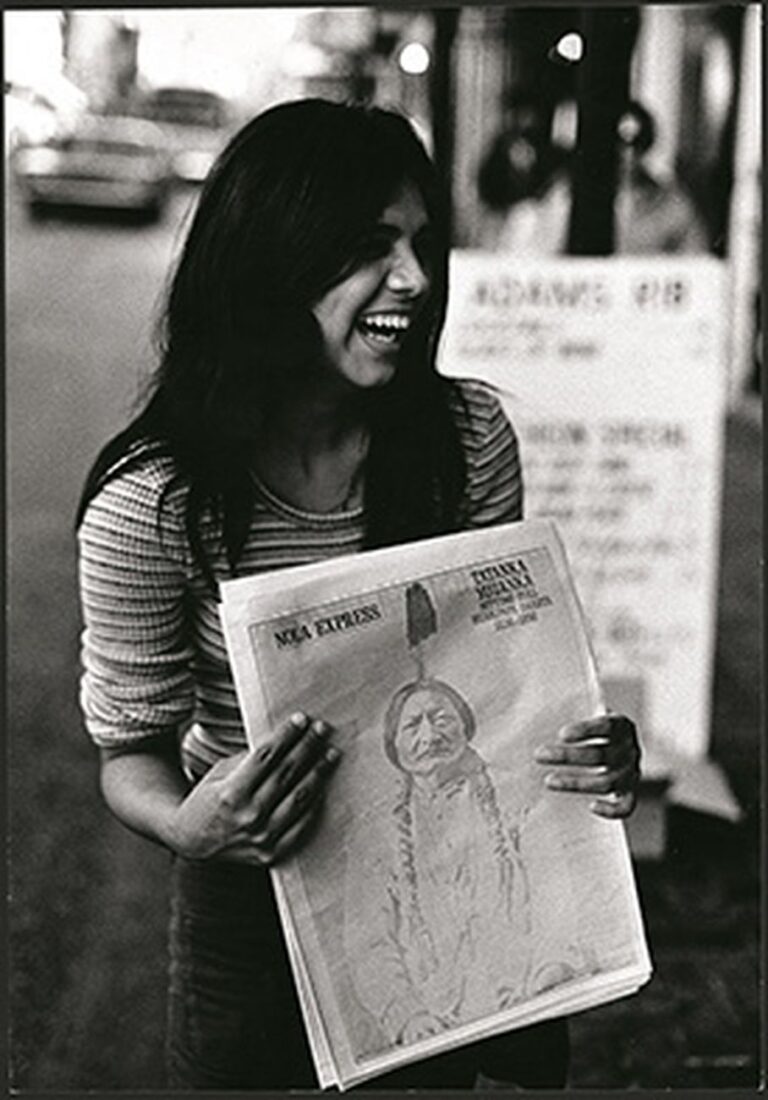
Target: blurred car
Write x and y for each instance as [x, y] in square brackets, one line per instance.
[29, 117]
[196, 125]
[103, 162]
[35, 115]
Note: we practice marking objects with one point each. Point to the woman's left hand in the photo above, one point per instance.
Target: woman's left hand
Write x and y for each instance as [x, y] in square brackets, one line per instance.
[599, 756]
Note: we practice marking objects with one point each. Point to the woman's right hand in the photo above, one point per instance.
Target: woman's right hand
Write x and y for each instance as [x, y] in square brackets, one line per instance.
[255, 806]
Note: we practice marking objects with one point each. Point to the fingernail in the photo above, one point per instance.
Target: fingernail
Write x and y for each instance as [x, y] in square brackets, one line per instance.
[299, 719]
[553, 781]
[320, 728]
[544, 756]
[332, 755]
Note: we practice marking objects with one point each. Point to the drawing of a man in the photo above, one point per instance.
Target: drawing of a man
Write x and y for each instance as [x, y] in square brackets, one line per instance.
[445, 942]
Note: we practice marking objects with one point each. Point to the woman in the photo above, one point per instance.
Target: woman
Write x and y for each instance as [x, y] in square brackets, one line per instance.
[296, 414]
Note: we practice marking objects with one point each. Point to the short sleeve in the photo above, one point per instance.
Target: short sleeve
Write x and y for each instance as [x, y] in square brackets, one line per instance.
[136, 681]
[494, 487]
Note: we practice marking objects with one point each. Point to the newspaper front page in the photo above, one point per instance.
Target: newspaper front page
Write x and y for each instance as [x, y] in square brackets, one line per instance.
[448, 894]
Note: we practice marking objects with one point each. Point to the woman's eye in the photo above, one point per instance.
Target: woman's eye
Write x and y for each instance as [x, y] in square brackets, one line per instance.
[374, 247]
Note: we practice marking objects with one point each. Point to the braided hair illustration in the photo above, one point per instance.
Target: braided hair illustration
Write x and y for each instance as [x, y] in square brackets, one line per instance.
[422, 624]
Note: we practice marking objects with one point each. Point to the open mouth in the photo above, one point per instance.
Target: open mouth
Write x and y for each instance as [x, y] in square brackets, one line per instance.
[384, 330]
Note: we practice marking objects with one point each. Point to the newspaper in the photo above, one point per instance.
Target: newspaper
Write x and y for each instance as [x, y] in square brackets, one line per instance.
[448, 894]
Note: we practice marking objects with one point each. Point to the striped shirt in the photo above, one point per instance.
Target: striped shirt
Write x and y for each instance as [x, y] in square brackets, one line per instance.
[153, 653]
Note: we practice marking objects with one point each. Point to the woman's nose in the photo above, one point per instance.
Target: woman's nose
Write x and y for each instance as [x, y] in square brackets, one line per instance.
[406, 275]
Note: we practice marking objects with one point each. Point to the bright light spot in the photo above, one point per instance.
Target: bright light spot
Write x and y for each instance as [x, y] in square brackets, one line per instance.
[570, 47]
[717, 81]
[414, 58]
[565, 121]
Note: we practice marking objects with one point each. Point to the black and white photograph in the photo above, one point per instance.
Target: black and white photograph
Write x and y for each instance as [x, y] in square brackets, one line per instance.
[384, 543]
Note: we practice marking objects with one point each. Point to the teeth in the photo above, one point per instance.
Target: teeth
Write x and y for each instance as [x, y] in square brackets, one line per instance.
[385, 324]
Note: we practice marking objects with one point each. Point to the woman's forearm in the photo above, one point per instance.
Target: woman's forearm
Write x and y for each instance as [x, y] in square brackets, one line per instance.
[252, 806]
[144, 789]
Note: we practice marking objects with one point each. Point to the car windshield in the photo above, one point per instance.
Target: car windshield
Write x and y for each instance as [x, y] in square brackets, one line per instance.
[106, 146]
[187, 108]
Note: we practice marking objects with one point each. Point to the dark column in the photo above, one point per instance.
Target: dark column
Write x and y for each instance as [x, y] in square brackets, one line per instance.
[442, 95]
[716, 197]
[602, 92]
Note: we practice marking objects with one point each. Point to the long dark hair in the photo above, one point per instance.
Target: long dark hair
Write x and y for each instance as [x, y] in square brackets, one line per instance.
[279, 222]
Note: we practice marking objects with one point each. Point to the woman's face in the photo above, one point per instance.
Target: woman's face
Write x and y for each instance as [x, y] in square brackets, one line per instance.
[365, 318]
[430, 732]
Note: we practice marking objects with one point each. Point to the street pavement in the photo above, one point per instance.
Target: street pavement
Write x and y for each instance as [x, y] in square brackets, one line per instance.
[88, 899]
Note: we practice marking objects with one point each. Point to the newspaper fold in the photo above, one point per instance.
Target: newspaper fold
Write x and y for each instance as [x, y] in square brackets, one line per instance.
[448, 894]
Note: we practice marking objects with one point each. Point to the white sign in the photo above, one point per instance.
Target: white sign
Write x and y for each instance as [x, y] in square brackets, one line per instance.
[613, 374]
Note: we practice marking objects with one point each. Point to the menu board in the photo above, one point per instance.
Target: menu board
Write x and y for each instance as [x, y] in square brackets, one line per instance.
[613, 373]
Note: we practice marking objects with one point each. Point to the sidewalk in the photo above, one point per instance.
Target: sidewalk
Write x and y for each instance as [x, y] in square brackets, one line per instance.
[696, 1024]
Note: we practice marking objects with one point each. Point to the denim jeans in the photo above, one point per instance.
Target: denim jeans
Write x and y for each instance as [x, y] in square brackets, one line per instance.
[233, 1016]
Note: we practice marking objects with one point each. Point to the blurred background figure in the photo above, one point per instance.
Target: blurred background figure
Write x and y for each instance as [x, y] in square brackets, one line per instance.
[523, 181]
[652, 215]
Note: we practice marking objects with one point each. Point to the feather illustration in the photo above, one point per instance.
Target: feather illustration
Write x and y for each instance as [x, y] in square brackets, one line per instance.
[421, 620]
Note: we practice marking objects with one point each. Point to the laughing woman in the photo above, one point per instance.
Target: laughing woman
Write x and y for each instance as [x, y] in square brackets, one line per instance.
[296, 414]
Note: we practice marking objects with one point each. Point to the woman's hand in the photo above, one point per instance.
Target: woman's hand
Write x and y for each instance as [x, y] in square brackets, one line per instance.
[255, 806]
[599, 756]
